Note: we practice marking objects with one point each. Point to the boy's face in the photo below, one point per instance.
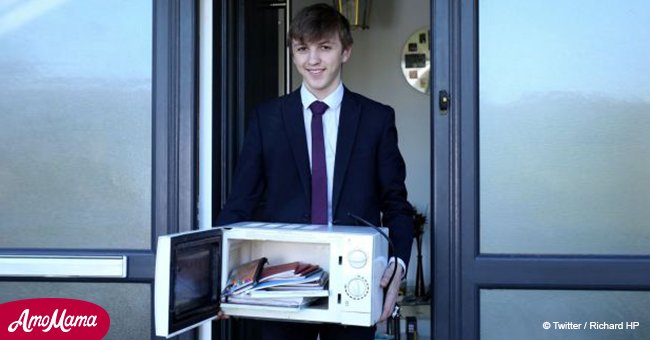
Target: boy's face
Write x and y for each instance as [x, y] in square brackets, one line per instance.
[319, 63]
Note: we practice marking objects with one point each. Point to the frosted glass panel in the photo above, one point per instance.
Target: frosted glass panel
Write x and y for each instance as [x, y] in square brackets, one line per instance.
[75, 131]
[564, 125]
[570, 315]
[128, 304]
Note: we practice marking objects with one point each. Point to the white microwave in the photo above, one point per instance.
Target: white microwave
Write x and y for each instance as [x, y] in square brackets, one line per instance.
[192, 267]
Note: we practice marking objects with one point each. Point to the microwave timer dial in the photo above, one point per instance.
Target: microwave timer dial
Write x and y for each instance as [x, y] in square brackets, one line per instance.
[357, 259]
[357, 288]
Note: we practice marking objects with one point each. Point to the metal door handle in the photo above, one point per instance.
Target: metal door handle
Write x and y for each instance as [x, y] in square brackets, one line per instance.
[443, 100]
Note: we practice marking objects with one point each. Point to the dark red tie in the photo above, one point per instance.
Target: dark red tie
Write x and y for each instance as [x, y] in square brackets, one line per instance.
[318, 167]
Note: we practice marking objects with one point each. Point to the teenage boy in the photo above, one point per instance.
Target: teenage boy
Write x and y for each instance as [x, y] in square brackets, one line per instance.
[321, 155]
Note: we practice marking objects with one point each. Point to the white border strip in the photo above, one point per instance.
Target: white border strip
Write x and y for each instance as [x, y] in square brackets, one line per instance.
[205, 114]
[205, 129]
[63, 266]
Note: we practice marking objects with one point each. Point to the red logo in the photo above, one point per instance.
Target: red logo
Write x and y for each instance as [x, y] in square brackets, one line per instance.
[53, 318]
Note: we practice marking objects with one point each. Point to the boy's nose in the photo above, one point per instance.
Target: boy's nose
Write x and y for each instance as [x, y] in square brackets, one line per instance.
[314, 57]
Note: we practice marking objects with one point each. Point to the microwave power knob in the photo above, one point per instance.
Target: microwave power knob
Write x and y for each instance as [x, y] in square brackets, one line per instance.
[357, 288]
[357, 259]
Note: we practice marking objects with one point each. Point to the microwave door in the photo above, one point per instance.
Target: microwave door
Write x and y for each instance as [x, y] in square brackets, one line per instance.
[187, 280]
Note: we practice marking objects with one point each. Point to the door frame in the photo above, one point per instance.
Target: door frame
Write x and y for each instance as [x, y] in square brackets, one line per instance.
[175, 125]
[460, 270]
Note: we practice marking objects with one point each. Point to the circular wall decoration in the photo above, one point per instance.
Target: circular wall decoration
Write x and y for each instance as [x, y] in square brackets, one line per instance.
[416, 60]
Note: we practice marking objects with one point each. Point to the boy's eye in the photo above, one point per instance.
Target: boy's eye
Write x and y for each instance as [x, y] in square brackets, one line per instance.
[300, 48]
[326, 47]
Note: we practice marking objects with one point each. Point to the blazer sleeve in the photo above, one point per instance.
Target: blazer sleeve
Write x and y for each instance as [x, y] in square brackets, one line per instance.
[397, 213]
[248, 181]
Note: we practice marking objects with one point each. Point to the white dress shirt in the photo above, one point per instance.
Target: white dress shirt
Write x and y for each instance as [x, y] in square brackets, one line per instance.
[330, 133]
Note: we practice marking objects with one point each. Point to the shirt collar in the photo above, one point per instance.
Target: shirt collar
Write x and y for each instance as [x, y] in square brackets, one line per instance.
[333, 101]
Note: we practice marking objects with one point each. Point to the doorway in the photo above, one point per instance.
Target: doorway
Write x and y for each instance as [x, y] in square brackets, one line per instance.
[375, 71]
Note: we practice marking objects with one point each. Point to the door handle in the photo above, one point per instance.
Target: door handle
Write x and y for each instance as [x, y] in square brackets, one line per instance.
[443, 101]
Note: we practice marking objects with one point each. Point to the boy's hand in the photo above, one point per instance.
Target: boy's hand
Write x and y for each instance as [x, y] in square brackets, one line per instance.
[393, 291]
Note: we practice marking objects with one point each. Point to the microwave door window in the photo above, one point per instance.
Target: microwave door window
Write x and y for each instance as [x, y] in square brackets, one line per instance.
[192, 284]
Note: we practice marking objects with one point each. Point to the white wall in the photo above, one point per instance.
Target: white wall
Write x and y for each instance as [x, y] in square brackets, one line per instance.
[374, 70]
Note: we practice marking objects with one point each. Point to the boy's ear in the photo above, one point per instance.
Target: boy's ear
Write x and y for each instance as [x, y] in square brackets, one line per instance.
[346, 53]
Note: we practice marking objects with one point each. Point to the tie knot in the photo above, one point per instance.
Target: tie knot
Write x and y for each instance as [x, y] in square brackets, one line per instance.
[318, 107]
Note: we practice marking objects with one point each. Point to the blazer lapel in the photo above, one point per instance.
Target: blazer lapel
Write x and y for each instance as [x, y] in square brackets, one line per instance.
[292, 114]
[348, 123]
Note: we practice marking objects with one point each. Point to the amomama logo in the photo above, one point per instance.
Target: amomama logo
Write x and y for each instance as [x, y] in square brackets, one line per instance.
[53, 318]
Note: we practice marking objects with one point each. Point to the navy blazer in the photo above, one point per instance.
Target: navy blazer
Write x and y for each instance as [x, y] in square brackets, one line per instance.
[272, 180]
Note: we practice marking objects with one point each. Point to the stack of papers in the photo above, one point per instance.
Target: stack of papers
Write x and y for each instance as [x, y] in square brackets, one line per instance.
[293, 284]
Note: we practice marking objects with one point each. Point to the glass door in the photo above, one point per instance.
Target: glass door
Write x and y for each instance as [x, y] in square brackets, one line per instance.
[96, 147]
[541, 169]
